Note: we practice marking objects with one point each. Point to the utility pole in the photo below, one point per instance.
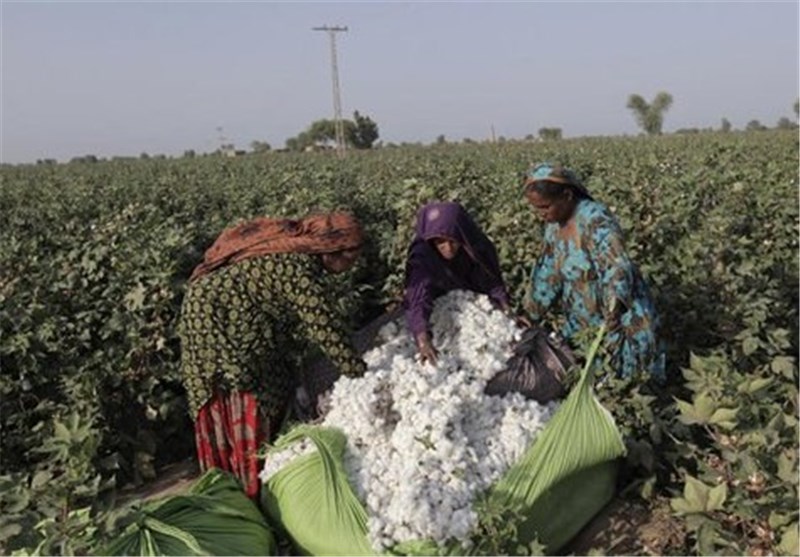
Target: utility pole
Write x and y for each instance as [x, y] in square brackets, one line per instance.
[337, 100]
[223, 141]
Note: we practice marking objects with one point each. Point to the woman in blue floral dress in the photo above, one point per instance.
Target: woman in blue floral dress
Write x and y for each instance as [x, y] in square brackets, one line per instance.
[585, 273]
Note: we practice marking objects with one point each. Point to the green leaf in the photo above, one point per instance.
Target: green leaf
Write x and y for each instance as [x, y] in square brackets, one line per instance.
[699, 497]
[687, 411]
[724, 417]
[787, 467]
[536, 548]
[697, 413]
[776, 520]
[60, 431]
[704, 405]
[777, 423]
[783, 365]
[8, 531]
[40, 478]
[695, 497]
[696, 493]
[789, 540]
[18, 502]
[695, 363]
[750, 345]
[755, 385]
[134, 299]
[706, 536]
[717, 497]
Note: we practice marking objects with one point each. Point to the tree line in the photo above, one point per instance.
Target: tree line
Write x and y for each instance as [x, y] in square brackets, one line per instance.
[362, 132]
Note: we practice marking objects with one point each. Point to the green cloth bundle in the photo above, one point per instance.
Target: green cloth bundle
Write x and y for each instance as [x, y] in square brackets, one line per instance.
[566, 476]
[214, 518]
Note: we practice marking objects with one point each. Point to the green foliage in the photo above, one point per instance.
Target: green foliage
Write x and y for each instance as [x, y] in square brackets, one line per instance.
[738, 457]
[650, 116]
[359, 133]
[364, 132]
[496, 532]
[95, 258]
[61, 507]
[260, 146]
[550, 134]
[785, 124]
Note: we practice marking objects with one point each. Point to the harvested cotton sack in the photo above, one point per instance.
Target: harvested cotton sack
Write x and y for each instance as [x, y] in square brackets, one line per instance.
[214, 518]
[405, 451]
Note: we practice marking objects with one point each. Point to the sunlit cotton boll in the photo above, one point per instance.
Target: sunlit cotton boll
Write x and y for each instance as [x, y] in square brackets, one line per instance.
[423, 439]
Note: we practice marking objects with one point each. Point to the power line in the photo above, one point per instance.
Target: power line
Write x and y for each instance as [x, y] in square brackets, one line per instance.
[337, 100]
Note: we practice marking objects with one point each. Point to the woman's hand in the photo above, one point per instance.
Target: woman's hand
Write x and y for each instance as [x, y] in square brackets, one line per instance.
[324, 403]
[427, 352]
[523, 322]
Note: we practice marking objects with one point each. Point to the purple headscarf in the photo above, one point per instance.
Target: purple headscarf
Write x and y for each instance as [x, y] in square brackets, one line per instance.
[429, 275]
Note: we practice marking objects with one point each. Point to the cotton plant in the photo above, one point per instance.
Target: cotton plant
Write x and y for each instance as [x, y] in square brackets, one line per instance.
[423, 440]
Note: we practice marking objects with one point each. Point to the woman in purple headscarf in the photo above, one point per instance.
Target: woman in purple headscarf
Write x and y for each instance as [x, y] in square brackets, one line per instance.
[448, 252]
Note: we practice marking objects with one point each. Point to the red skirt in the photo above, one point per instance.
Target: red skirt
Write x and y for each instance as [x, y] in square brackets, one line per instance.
[228, 432]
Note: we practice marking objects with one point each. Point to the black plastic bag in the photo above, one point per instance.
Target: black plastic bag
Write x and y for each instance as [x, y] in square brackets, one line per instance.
[537, 369]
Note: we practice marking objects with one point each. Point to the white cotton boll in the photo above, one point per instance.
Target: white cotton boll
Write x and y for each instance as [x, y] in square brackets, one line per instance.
[388, 331]
[423, 440]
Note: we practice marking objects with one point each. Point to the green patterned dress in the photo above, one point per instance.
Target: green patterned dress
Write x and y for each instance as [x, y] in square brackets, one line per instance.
[240, 323]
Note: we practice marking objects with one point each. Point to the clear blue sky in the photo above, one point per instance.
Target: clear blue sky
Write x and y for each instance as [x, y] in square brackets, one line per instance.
[119, 78]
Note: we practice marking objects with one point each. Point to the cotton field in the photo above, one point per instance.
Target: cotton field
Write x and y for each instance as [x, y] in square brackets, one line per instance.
[424, 440]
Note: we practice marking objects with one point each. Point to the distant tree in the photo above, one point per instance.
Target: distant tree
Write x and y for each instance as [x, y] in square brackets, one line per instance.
[293, 144]
[687, 131]
[726, 125]
[323, 132]
[797, 108]
[440, 139]
[359, 133]
[785, 124]
[530, 137]
[550, 134]
[144, 156]
[755, 126]
[468, 141]
[363, 133]
[189, 154]
[502, 139]
[260, 146]
[650, 116]
[91, 159]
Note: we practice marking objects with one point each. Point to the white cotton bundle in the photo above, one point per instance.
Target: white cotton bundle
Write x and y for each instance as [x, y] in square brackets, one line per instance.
[424, 440]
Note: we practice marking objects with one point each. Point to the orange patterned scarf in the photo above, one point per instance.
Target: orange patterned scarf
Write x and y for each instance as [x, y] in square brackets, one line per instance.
[323, 233]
